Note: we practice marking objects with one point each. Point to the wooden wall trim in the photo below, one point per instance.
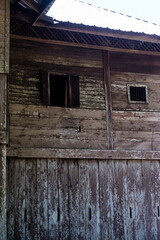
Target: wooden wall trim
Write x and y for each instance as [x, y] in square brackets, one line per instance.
[107, 87]
[82, 154]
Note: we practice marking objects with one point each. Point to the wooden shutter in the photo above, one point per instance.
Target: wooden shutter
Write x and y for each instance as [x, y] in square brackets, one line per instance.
[46, 87]
[73, 89]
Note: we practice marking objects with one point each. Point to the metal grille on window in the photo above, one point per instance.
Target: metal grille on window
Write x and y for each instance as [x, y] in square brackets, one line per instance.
[137, 94]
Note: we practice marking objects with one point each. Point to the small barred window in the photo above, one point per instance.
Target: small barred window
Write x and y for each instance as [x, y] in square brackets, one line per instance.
[137, 94]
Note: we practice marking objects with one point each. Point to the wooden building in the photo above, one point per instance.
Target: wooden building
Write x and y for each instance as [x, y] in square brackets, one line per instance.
[79, 129]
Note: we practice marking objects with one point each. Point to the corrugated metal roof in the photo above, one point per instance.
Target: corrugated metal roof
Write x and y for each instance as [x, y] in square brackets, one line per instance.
[78, 12]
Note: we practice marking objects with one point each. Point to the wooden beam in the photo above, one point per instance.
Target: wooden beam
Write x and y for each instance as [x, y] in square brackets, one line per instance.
[32, 5]
[3, 100]
[85, 45]
[82, 154]
[46, 4]
[107, 87]
[3, 202]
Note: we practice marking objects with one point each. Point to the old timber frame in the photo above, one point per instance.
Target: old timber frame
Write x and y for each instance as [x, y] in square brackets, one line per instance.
[4, 70]
[87, 171]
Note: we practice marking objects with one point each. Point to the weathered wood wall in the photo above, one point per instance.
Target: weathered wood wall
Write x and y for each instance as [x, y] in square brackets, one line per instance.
[29, 59]
[78, 199]
[135, 126]
[55, 127]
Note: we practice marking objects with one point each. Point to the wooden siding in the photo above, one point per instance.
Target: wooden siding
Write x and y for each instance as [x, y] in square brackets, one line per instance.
[135, 126]
[4, 36]
[54, 127]
[83, 199]
[119, 83]
[29, 59]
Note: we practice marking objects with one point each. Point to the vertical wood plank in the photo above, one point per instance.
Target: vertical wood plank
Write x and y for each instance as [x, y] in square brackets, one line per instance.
[105, 179]
[11, 199]
[83, 199]
[7, 36]
[53, 199]
[3, 99]
[42, 198]
[19, 204]
[134, 200]
[107, 88]
[4, 32]
[63, 199]
[147, 204]
[31, 199]
[74, 199]
[94, 218]
[89, 200]
[155, 195]
[118, 190]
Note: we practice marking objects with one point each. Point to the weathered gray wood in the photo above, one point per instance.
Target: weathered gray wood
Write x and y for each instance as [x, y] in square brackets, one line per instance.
[31, 199]
[11, 199]
[118, 192]
[57, 127]
[4, 32]
[105, 179]
[147, 204]
[3, 220]
[53, 204]
[93, 223]
[25, 84]
[63, 188]
[82, 153]
[19, 194]
[155, 194]
[107, 86]
[89, 200]
[74, 200]
[3, 95]
[83, 200]
[42, 199]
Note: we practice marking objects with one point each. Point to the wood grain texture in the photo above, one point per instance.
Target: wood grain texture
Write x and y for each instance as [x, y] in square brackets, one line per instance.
[82, 199]
[3, 195]
[25, 85]
[4, 36]
[136, 130]
[57, 127]
[107, 87]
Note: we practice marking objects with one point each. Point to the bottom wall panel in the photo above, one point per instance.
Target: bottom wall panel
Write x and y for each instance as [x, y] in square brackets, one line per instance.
[83, 199]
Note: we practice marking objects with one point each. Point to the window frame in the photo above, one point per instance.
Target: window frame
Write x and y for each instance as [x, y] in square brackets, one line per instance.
[72, 81]
[137, 85]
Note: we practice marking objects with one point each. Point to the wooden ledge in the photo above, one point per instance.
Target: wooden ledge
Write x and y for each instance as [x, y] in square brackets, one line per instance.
[82, 154]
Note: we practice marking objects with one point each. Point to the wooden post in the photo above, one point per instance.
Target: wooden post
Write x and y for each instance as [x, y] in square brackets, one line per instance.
[107, 87]
[3, 90]
[4, 70]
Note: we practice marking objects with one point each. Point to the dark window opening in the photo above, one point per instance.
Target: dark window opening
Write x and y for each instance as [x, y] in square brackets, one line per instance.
[60, 90]
[137, 94]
